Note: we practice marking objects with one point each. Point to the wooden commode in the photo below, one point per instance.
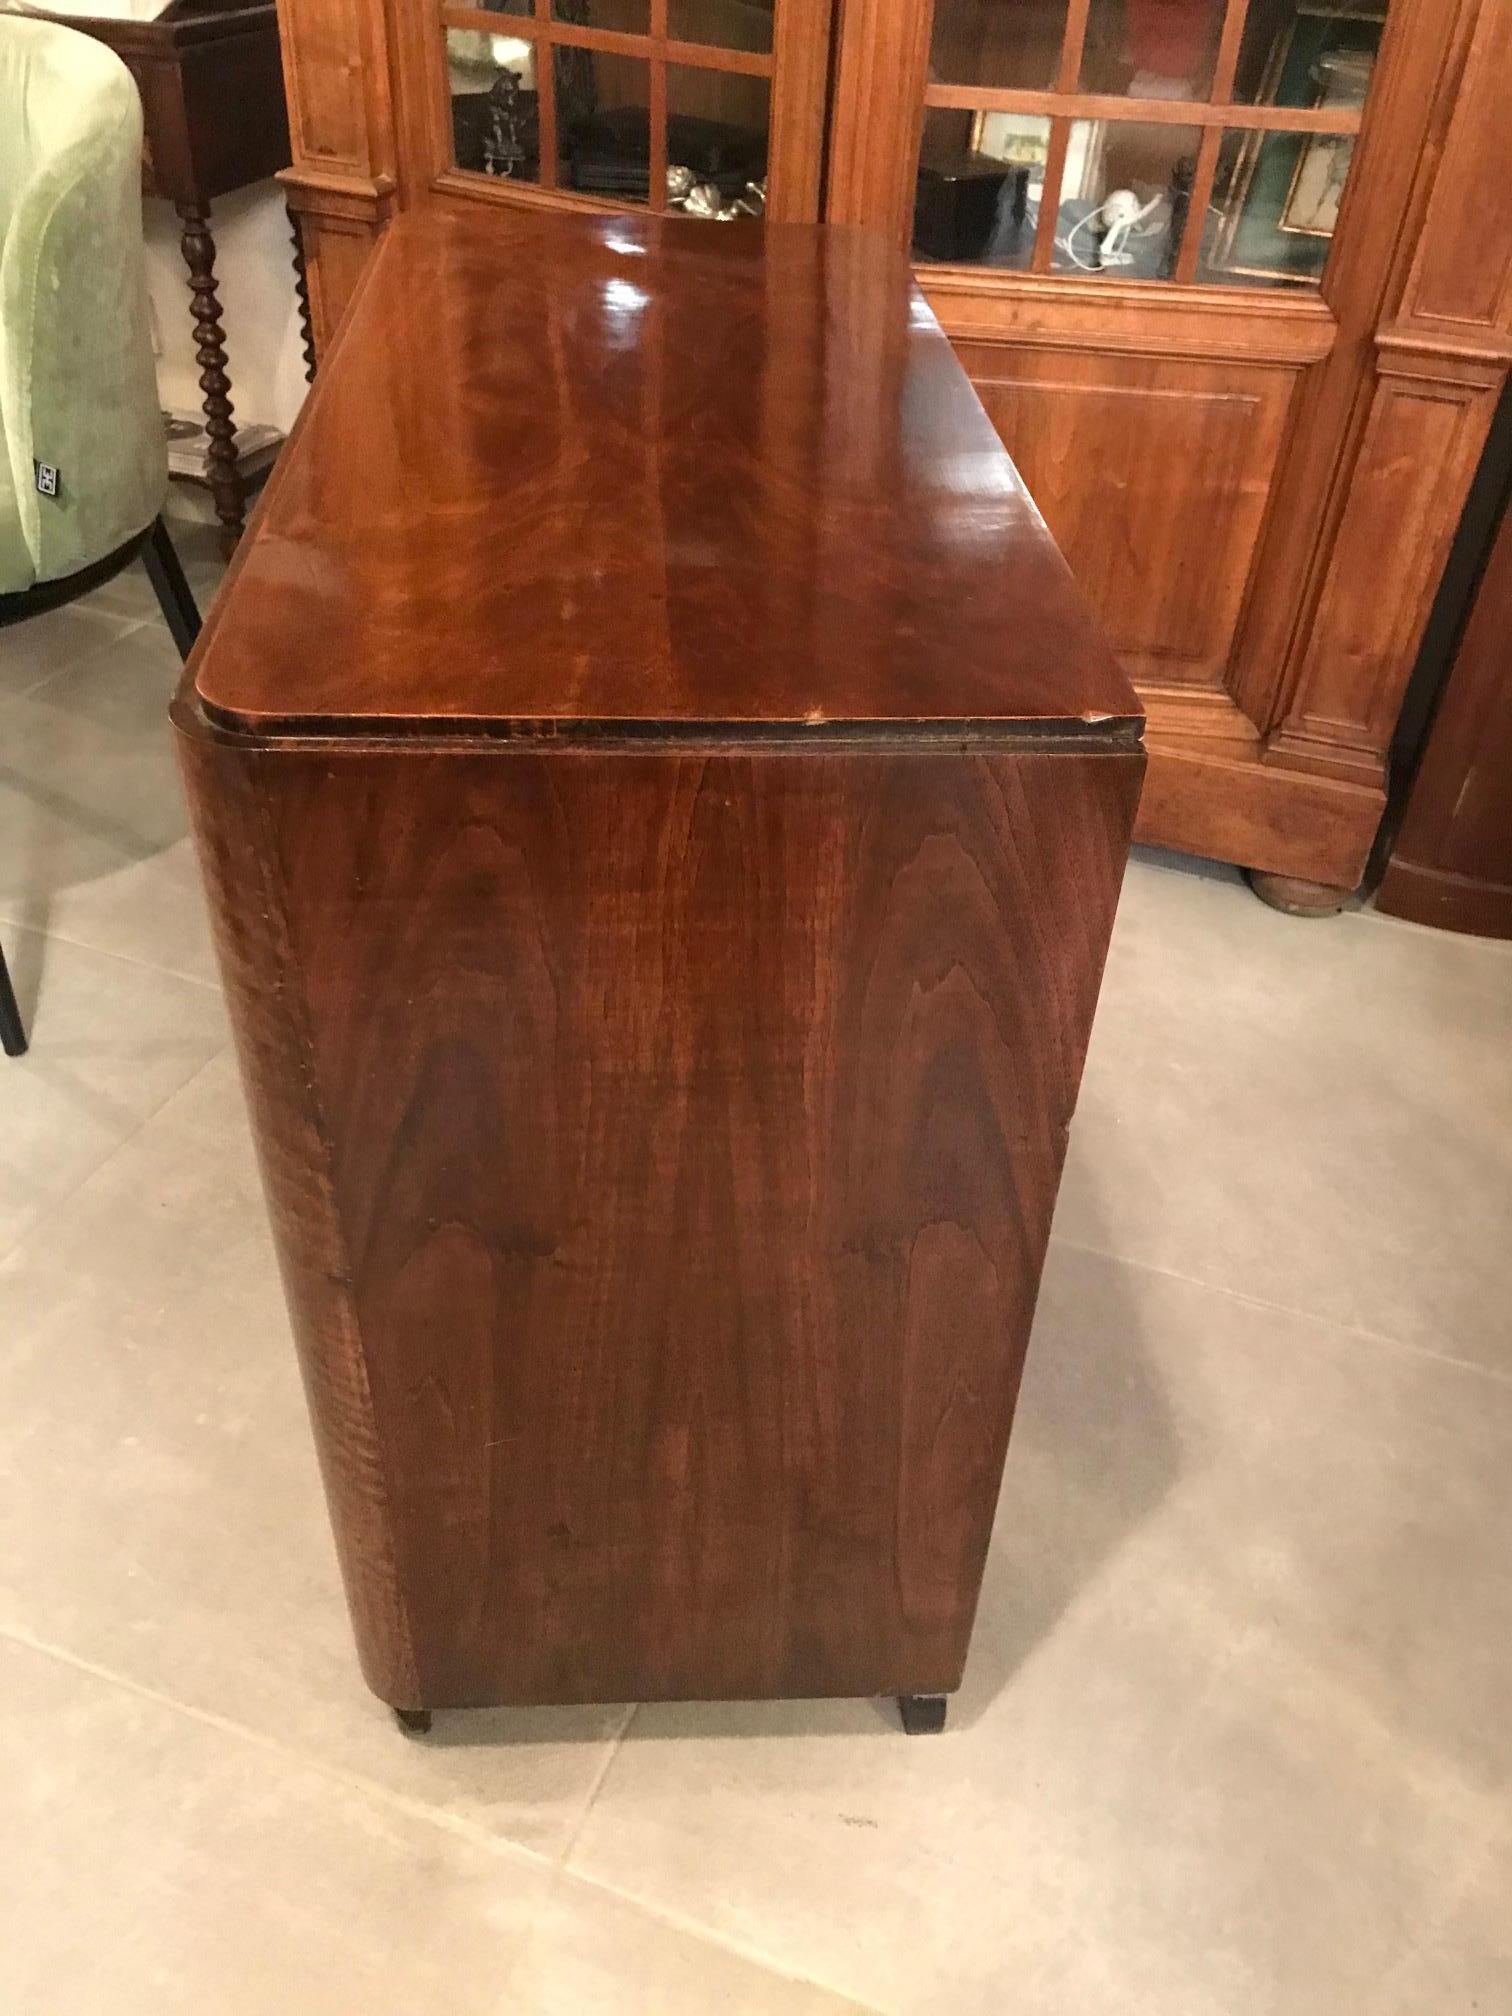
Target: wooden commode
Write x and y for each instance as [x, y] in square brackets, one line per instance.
[663, 801]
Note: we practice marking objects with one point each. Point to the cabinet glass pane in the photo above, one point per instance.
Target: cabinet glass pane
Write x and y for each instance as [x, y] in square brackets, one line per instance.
[981, 175]
[1151, 48]
[492, 80]
[1301, 54]
[603, 123]
[729, 24]
[1008, 44]
[717, 123]
[1275, 207]
[1124, 199]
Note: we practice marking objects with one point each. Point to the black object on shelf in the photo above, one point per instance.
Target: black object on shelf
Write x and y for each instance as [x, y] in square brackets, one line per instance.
[609, 154]
[957, 202]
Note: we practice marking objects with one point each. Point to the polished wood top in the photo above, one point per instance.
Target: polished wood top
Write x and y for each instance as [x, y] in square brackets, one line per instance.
[586, 474]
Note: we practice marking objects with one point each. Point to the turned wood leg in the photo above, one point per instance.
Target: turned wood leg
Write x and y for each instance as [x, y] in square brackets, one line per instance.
[1296, 897]
[413, 1721]
[302, 287]
[226, 484]
[923, 1714]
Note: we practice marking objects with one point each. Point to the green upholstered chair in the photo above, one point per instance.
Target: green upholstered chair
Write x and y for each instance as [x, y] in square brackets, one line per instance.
[83, 465]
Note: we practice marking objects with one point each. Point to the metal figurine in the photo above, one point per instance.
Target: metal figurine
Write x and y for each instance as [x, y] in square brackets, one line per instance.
[703, 199]
[507, 128]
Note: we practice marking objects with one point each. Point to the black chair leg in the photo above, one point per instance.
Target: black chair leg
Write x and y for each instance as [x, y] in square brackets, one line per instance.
[170, 587]
[12, 1035]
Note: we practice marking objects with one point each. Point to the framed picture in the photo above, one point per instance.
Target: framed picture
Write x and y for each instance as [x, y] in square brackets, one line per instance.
[1022, 139]
[1317, 187]
[1280, 207]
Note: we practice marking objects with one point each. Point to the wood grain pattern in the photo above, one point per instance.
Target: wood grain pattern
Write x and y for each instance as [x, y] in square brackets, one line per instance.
[712, 476]
[230, 816]
[682, 1128]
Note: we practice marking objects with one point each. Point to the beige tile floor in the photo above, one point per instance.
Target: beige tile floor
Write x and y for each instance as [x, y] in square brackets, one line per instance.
[1236, 1736]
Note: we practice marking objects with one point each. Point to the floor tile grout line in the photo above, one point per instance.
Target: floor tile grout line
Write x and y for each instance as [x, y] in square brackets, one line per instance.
[46, 931]
[32, 1226]
[598, 1784]
[127, 626]
[695, 1928]
[681, 1922]
[499, 1845]
[1361, 1332]
[352, 1781]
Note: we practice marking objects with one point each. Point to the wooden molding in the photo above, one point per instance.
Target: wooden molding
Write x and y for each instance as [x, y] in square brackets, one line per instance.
[1205, 796]
[1127, 318]
[1422, 440]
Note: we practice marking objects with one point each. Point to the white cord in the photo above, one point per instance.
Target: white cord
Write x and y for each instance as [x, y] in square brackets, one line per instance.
[1116, 256]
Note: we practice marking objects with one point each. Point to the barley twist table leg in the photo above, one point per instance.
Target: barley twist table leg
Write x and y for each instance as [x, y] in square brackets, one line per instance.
[302, 284]
[226, 484]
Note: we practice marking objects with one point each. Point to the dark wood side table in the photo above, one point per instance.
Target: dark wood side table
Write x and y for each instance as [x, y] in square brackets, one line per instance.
[663, 801]
[213, 104]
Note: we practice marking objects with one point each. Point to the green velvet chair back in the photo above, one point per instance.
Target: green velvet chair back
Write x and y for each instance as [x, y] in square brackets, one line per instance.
[77, 387]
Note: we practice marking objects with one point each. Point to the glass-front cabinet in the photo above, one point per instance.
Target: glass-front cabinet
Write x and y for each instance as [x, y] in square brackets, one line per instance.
[1164, 140]
[662, 104]
[1200, 141]
[1230, 278]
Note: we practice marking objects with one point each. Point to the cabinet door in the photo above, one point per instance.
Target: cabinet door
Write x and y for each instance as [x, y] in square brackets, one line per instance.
[713, 107]
[1164, 235]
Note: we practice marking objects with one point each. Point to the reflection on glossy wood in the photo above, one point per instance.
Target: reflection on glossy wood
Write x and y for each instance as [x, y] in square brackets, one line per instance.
[713, 475]
[662, 1000]
[1286, 785]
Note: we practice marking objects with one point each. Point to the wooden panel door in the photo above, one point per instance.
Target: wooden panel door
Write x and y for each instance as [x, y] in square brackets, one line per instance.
[1099, 440]
[1171, 239]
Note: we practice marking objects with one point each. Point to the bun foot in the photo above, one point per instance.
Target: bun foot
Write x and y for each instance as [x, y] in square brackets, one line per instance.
[1298, 898]
[413, 1721]
[923, 1714]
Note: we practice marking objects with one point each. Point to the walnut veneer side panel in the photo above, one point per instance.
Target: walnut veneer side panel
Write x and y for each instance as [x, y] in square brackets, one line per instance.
[270, 1018]
[688, 1124]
